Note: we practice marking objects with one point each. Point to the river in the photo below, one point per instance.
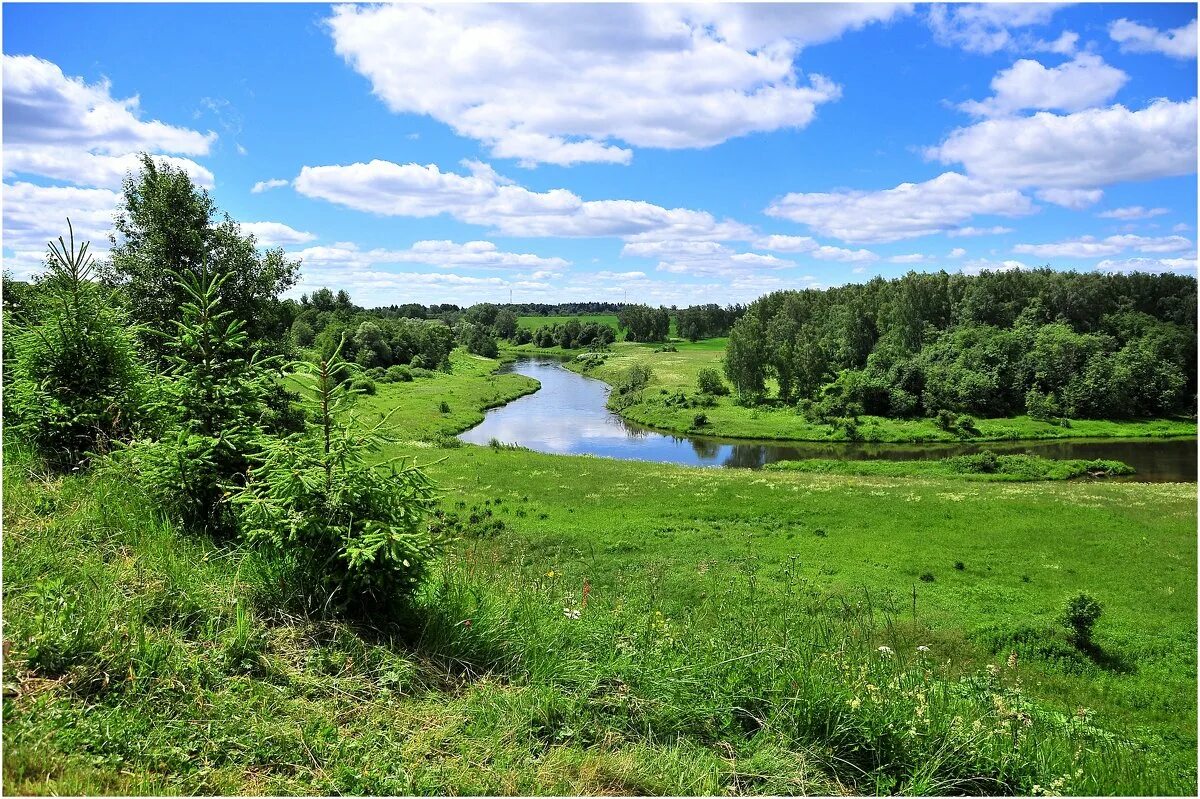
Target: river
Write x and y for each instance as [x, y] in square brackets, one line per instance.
[568, 416]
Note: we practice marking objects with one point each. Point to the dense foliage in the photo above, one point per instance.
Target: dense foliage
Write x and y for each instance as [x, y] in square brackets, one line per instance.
[643, 323]
[706, 321]
[573, 334]
[167, 227]
[1050, 344]
[74, 381]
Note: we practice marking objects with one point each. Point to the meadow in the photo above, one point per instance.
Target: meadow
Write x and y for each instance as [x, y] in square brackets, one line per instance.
[669, 403]
[599, 626]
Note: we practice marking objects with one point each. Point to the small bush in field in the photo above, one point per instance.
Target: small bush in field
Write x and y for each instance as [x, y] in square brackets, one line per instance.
[351, 533]
[443, 407]
[363, 385]
[709, 382]
[399, 374]
[699, 420]
[634, 379]
[1080, 617]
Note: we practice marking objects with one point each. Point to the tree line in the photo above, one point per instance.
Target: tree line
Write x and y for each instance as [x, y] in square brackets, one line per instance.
[1039, 342]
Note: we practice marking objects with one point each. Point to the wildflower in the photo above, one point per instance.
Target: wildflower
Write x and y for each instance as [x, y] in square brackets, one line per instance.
[1012, 660]
[854, 703]
[587, 589]
[922, 648]
[992, 670]
[570, 613]
[466, 623]
[886, 651]
[550, 573]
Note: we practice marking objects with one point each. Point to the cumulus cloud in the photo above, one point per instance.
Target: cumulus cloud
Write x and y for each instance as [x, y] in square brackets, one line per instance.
[267, 185]
[1091, 148]
[1091, 247]
[907, 211]
[570, 84]
[707, 258]
[271, 234]
[35, 215]
[63, 128]
[1134, 38]
[989, 27]
[485, 198]
[911, 258]
[1083, 82]
[984, 265]
[957, 252]
[1075, 199]
[1148, 265]
[964, 232]
[445, 254]
[1132, 212]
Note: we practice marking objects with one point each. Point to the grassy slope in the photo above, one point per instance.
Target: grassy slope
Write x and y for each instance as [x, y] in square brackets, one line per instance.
[720, 554]
[677, 371]
[534, 322]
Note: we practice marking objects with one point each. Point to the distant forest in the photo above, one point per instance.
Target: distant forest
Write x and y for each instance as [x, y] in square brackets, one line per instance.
[1039, 342]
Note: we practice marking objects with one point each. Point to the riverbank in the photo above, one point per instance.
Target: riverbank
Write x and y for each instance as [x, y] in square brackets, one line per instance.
[603, 626]
[670, 403]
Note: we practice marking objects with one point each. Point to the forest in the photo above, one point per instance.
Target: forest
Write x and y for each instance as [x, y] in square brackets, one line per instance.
[1040, 342]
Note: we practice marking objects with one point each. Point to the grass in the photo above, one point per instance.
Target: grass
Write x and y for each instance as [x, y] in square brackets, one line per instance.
[727, 638]
[985, 467]
[534, 322]
[661, 406]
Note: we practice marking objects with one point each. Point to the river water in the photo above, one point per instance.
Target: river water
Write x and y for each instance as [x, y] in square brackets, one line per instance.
[568, 416]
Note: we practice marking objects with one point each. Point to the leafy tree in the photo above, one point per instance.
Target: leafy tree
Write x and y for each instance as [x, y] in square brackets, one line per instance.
[709, 382]
[505, 324]
[77, 384]
[350, 533]
[167, 227]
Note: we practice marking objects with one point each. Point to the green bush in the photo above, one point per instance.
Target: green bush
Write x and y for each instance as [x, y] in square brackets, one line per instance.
[212, 407]
[635, 378]
[399, 374]
[699, 420]
[77, 384]
[709, 382]
[1080, 617]
[363, 385]
[351, 535]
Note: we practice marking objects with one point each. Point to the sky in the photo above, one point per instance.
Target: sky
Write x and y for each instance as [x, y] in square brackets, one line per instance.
[667, 154]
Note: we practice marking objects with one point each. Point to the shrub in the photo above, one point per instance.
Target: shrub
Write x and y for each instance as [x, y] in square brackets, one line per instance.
[443, 407]
[399, 374]
[1080, 617]
[1041, 407]
[363, 385]
[944, 420]
[984, 462]
[709, 381]
[77, 383]
[351, 534]
[635, 378]
[699, 420]
[419, 362]
[212, 407]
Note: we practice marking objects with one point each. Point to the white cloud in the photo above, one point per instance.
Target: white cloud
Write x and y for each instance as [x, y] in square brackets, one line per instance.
[957, 252]
[267, 185]
[444, 254]
[827, 253]
[1148, 265]
[484, 198]
[1135, 38]
[35, 215]
[271, 234]
[911, 258]
[1074, 85]
[907, 211]
[987, 27]
[63, 128]
[707, 258]
[1087, 149]
[964, 232]
[1091, 247]
[1075, 199]
[1063, 45]
[780, 243]
[982, 264]
[1133, 212]
[571, 83]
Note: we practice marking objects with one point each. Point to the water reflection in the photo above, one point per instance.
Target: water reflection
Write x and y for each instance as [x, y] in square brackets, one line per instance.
[568, 416]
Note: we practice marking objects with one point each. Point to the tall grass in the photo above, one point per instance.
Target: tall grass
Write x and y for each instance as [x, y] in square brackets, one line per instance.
[147, 661]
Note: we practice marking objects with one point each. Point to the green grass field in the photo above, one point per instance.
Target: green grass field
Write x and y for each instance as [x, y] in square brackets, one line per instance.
[676, 372]
[602, 626]
[534, 322]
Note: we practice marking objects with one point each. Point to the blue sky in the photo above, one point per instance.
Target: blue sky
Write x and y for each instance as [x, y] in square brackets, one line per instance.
[668, 154]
